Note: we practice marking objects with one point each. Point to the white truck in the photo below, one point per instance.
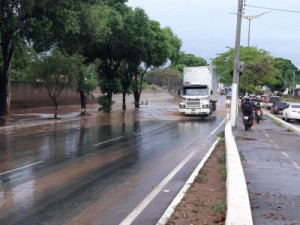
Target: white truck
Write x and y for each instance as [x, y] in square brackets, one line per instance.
[199, 94]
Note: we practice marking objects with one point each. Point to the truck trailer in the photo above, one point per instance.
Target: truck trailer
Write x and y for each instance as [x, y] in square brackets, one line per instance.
[199, 94]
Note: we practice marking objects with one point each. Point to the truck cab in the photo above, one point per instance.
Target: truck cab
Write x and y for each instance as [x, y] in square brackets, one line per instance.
[199, 91]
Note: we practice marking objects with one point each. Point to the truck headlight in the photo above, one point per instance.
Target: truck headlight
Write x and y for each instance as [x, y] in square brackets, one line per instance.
[182, 105]
[205, 106]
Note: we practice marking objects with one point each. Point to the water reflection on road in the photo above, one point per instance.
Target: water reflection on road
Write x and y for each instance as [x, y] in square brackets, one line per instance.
[96, 166]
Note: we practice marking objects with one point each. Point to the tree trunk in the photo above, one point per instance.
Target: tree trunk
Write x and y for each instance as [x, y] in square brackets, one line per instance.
[7, 51]
[136, 95]
[55, 113]
[82, 102]
[124, 101]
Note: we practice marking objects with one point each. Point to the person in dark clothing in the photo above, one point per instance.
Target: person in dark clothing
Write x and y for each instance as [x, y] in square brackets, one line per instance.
[247, 106]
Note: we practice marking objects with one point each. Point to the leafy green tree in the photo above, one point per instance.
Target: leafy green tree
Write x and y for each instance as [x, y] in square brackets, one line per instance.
[159, 49]
[185, 60]
[287, 70]
[258, 70]
[42, 23]
[55, 72]
[164, 77]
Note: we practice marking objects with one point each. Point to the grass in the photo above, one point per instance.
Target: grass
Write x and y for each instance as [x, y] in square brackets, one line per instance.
[290, 99]
[221, 134]
[222, 159]
[223, 172]
[199, 178]
[219, 208]
[289, 130]
[277, 123]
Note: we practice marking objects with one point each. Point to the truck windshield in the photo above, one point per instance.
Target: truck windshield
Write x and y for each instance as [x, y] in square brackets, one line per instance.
[195, 91]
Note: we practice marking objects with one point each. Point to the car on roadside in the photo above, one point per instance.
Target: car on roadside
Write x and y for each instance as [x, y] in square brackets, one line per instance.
[292, 112]
[278, 107]
[271, 101]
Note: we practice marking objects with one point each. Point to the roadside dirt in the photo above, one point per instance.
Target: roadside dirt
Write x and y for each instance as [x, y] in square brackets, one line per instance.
[205, 201]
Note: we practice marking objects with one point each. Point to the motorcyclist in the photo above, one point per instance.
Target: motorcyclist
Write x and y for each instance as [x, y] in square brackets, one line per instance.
[247, 107]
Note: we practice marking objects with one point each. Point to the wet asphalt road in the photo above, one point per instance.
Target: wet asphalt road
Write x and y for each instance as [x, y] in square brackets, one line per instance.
[98, 175]
[271, 161]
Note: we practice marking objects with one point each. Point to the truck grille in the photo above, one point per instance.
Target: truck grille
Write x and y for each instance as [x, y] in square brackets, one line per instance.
[193, 103]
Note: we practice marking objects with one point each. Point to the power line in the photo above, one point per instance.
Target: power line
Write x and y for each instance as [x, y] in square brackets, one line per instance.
[282, 10]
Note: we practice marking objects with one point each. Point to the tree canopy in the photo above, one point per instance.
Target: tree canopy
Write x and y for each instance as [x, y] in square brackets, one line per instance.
[259, 69]
[182, 60]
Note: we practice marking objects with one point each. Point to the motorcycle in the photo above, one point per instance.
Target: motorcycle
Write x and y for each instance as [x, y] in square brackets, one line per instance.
[247, 121]
[258, 115]
[228, 102]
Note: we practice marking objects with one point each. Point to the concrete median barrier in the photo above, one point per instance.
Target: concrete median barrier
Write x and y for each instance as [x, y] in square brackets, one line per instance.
[238, 204]
[285, 124]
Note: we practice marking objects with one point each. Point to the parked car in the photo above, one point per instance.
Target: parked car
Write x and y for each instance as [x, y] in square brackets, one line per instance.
[271, 101]
[292, 112]
[278, 107]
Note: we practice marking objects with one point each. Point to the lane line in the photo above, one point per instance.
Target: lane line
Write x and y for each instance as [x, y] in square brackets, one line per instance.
[276, 146]
[296, 165]
[137, 211]
[104, 142]
[164, 218]
[285, 154]
[217, 127]
[20, 168]
[267, 135]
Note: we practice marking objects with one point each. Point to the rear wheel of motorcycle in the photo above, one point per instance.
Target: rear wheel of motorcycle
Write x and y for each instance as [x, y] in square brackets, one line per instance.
[257, 120]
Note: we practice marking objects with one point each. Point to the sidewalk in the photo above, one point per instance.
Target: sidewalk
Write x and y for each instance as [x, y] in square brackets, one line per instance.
[271, 161]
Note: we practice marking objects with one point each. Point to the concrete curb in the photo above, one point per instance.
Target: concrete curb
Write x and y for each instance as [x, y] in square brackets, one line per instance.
[285, 124]
[167, 214]
[238, 204]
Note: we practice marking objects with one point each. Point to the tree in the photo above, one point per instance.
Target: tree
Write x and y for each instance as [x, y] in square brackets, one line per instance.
[164, 77]
[86, 81]
[42, 23]
[55, 72]
[184, 60]
[258, 70]
[158, 49]
[287, 70]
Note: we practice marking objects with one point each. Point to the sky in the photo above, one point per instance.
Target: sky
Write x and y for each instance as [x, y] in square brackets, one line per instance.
[207, 27]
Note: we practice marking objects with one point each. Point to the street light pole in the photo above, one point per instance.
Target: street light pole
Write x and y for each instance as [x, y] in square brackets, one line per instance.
[251, 18]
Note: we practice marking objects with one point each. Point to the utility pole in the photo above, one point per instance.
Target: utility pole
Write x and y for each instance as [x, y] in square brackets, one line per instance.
[236, 69]
[294, 83]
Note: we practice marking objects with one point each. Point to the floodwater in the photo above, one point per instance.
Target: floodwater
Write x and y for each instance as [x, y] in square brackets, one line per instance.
[97, 169]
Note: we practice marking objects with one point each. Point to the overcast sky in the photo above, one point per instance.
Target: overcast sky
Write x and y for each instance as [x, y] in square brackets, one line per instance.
[206, 27]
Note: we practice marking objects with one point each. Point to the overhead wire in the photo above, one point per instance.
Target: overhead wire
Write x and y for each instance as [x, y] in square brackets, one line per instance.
[274, 9]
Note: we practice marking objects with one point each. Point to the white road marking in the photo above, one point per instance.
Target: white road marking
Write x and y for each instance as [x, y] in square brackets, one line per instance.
[296, 165]
[137, 211]
[267, 135]
[276, 146]
[285, 154]
[187, 185]
[104, 142]
[20, 168]
[217, 127]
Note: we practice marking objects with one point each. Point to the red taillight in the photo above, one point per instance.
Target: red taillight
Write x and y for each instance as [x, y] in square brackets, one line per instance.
[294, 111]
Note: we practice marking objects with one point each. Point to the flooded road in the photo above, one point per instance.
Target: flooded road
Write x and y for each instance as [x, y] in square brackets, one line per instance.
[98, 174]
